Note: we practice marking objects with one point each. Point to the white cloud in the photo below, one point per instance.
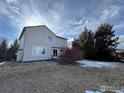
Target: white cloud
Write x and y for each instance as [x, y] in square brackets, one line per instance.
[114, 10]
[92, 22]
[121, 39]
[119, 26]
[110, 12]
[3, 8]
[77, 23]
[107, 14]
[23, 14]
[70, 39]
[69, 42]
[32, 20]
[121, 46]
[57, 15]
[11, 1]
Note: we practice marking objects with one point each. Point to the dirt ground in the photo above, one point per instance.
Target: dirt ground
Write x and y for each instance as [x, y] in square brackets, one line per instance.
[50, 77]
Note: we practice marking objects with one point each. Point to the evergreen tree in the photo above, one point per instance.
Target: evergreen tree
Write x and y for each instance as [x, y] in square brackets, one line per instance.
[75, 43]
[86, 42]
[13, 49]
[3, 49]
[105, 41]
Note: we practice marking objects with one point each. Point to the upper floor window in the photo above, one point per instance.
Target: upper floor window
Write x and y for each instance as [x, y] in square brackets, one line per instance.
[50, 39]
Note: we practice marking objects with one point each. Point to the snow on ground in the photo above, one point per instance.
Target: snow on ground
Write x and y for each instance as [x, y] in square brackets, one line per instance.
[90, 91]
[97, 64]
[119, 91]
[2, 63]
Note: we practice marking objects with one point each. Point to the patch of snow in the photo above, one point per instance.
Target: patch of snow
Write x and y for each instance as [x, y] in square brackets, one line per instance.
[119, 91]
[90, 91]
[97, 64]
[2, 63]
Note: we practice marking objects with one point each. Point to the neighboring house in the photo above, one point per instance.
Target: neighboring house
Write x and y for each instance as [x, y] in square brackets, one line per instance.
[120, 52]
[39, 43]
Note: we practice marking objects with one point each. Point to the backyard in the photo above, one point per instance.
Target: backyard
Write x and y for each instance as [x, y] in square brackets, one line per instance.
[51, 77]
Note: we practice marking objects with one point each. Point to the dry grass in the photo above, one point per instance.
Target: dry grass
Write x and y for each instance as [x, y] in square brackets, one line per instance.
[42, 77]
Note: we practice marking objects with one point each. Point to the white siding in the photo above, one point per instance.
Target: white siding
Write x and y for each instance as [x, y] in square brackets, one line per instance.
[37, 36]
[21, 41]
[20, 55]
[21, 48]
[60, 42]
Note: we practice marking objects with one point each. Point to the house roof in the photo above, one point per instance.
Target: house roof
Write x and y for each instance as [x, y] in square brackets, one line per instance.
[38, 26]
[61, 37]
[119, 50]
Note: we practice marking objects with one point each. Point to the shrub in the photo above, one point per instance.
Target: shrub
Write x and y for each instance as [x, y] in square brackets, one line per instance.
[70, 55]
[90, 54]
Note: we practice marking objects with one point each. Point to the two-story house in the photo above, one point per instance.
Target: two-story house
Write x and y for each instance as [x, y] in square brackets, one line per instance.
[39, 43]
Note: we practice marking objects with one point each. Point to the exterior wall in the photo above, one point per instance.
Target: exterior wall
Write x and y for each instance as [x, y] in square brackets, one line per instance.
[58, 52]
[21, 41]
[37, 36]
[59, 42]
[21, 48]
[19, 55]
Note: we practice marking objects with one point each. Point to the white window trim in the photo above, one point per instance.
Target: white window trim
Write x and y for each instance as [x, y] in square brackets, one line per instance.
[50, 42]
[38, 50]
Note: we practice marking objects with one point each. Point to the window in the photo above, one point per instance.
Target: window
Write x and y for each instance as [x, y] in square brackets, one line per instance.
[54, 52]
[38, 51]
[61, 50]
[50, 39]
[43, 51]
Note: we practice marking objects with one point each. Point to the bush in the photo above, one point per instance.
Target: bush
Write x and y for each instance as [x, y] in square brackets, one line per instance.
[70, 55]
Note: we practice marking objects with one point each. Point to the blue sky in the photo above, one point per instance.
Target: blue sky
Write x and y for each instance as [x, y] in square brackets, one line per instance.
[66, 18]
